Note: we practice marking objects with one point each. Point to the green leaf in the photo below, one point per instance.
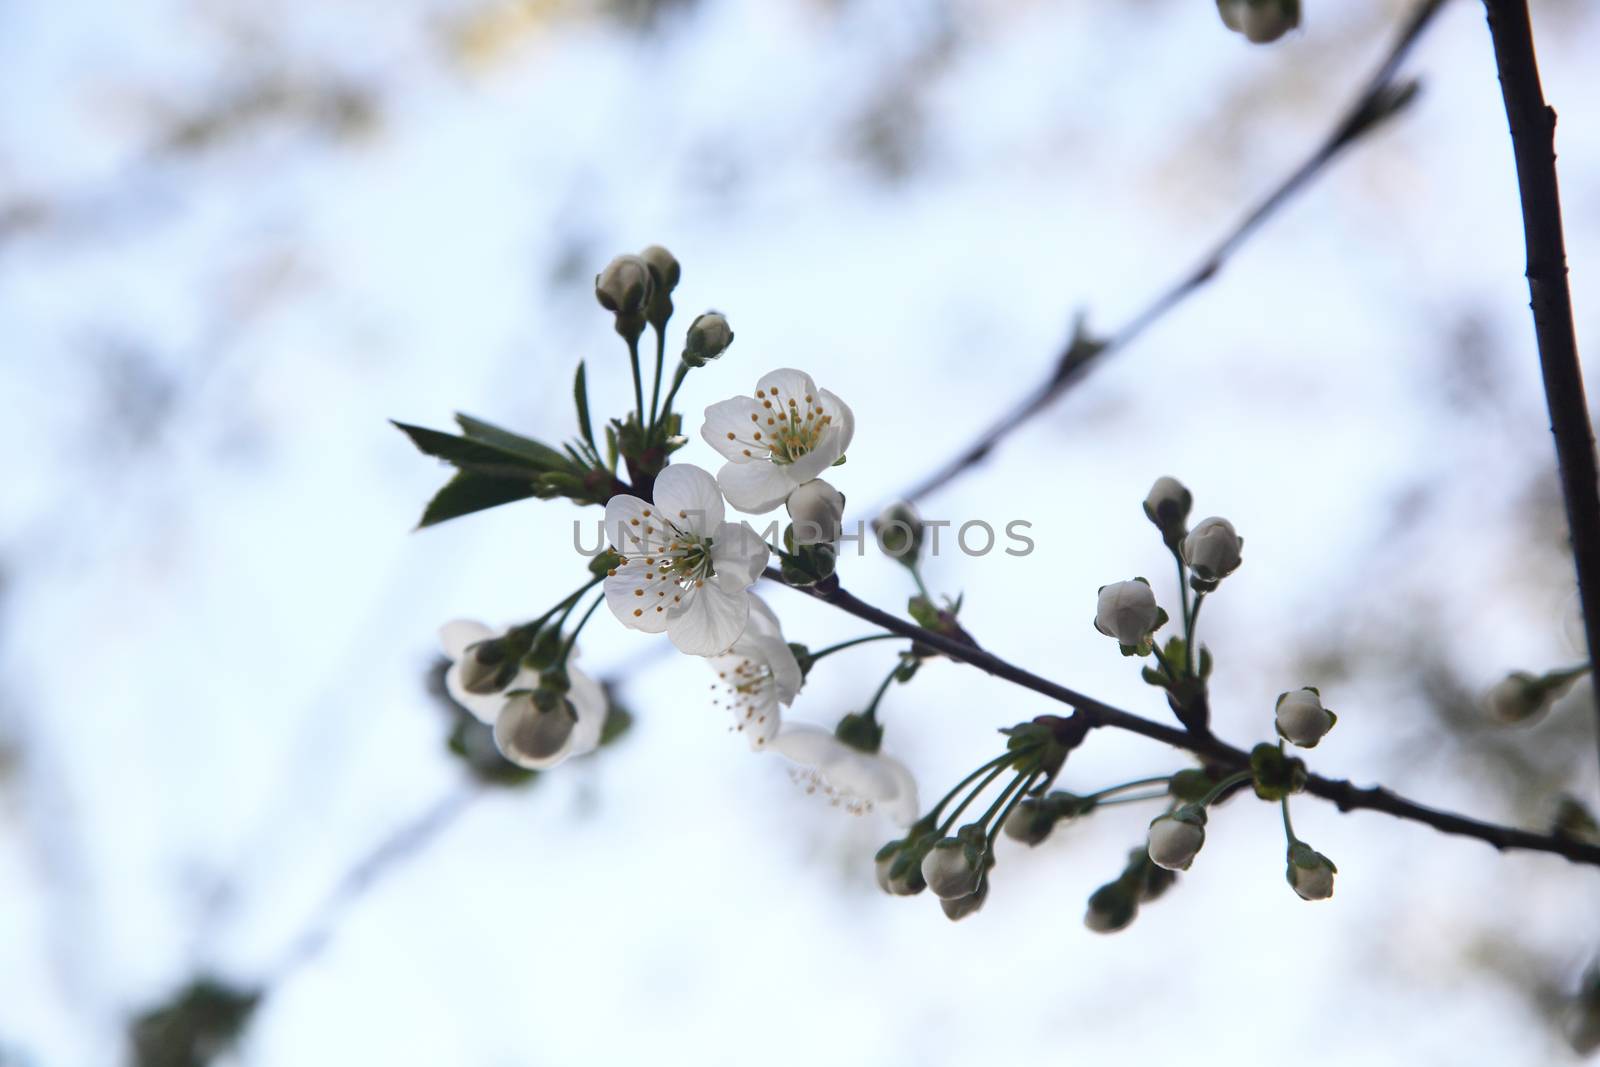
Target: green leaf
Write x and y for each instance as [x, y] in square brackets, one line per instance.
[580, 396]
[467, 453]
[470, 491]
[505, 440]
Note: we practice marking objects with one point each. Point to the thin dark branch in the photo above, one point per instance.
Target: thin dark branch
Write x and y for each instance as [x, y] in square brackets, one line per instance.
[1381, 97]
[1344, 794]
[1533, 135]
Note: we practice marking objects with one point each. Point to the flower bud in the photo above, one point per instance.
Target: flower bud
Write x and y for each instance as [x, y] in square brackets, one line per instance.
[1212, 551]
[1261, 21]
[883, 863]
[1030, 821]
[951, 869]
[535, 728]
[1168, 507]
[1310, 872]
[1111, 908]
[816, 509]
[959, 908]
[1175, 839]
[1301, 718]
[708, 337]
[1582, 1023]
[899, 531]
[1128, 612]
[903, 878]
[664, 269]
[488, 667]
[1520, 697]
[624, 287]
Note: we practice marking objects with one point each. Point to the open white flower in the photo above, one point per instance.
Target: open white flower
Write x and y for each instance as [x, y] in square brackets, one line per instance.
[526, 734]
[684, 569]
[757, 675]
[785, 436]
[857, 781]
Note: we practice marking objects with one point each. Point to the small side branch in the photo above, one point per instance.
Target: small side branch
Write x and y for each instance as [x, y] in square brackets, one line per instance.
[1343, 794]
[1533, 135]
[1380, 98]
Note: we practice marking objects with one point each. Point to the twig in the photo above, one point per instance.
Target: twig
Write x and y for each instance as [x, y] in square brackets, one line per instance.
[1381, 97]
[1533, 133]
[1345, 795]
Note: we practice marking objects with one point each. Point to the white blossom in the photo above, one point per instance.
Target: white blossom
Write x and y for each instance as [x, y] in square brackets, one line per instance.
[1301, 718]
[524, 733]
[757, 675]
[857, 781]
[1175, 840]
[816, 509]
[1310, 873]
[1127, 611]
[786, 435]
[1212, 549]
[684, 570]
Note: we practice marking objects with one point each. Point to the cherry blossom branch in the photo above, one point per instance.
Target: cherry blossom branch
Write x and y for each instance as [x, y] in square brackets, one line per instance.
[1533, 129]
[1345, 795]
[1380, 98]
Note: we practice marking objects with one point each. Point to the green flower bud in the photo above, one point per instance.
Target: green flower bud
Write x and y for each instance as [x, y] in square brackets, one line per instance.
[1030, 821]
[1276, 775]
[1111, 908]
[899, 529]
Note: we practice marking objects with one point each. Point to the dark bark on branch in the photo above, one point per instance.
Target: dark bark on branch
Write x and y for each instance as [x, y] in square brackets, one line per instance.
[1344, 794]
[1533, 134]
[1380, 98]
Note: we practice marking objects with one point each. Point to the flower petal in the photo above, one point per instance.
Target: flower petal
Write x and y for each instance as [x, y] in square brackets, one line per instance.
[711, 621]
[807, 744]
[730, 427]
[763, 620]
[738, 555]
[640, 598]
[819, 459]
[779, 658]
[843, 418]
[786, 384]
[755, 488]
[689, 498]
[634, 526]
[456, 636]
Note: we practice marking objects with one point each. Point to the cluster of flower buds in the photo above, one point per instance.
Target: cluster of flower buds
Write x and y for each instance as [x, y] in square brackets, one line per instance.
[1261, 21]
[1115, 905]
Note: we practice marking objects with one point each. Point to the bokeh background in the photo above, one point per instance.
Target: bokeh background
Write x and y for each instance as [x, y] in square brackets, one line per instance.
[236, 237]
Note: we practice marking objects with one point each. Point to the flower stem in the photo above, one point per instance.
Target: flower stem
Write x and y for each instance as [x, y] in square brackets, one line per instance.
[661, 355]
[992, 775]
[1136, 798]
[998, 761]
[638, 381]
[1137, 783]
[677, 379]
[842, 645]
[1194, 624]
[1000, 821]
[922, 587]
[1005, 794]
[1183, 591]
[1288, 827]
[1223, 786]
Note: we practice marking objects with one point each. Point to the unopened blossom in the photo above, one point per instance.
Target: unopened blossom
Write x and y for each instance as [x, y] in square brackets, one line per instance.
[957, 908]
[1167, 505]
[1176, 839]
[950, 871]
[1261, 21]
[816, 509]
[526, 733]
[775, 442]
[757, 676]
[1111, 908]
[1127, 611]
[1301, 718]
[624, 287]
[857, 781]
[1212, 550]
[1310, 873]
[709, 336]
[1519, 697]
[684, 570]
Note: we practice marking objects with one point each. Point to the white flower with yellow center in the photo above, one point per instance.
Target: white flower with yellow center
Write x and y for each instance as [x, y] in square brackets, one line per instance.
[526, 734]
[786, 435]
[758, 675]
[684, 570]
[859, 782]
